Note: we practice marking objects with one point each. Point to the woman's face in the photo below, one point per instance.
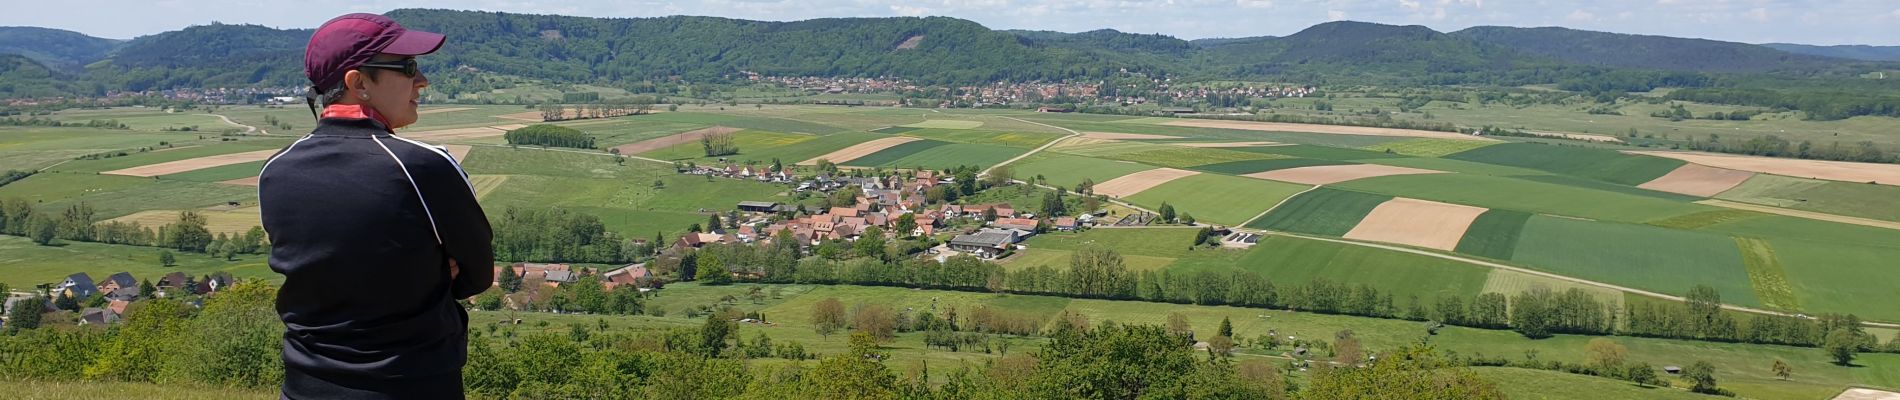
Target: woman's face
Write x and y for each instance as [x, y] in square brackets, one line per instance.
[393, 94]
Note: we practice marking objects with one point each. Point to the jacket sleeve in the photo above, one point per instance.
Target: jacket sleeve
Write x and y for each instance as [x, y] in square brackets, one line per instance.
[463, 226]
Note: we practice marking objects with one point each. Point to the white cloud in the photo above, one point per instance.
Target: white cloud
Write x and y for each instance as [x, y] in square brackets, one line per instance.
[1758, 14]
[909, 11]
[1581, 15]
[1896, 12]
[1335, 15]
[1438, 14]
[1254, 3]
[1409, 4]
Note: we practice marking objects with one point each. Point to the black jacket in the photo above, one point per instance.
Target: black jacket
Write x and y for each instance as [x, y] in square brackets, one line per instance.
[362, 224]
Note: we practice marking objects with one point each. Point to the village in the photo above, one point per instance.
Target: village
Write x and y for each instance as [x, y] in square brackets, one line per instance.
[1149, 90]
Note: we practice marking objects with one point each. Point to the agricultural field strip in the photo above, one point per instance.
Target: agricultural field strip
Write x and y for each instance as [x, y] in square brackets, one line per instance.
[860, 150]
[1052, 143]
[1726, 306]
[1277, 205]
[575, 152]
[193, 164]
[1818, 216]
[1698, 180]
[1885, 174]
[1322, 129]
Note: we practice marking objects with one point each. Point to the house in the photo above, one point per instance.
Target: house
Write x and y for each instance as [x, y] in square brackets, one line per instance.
[759, 206]
[558, 277]
[77, 285]
[1014, 223]
[118, 306]
[1054, 109]
[629, 275]
[99, 316]
[697, 240]
[172, 281]
[986, 243]
[118, 281]
[1065, 224]
[217, 281]
[844, 212]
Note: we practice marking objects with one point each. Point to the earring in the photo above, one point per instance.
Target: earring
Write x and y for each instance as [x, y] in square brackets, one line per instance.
[364, 96]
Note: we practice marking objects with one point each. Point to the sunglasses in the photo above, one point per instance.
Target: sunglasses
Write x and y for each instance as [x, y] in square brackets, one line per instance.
[406, 66]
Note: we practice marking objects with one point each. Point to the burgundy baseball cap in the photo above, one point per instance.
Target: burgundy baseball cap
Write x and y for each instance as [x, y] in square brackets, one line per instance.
[345, 43]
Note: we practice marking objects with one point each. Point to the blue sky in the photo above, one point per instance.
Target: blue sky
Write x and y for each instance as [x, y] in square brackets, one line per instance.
[1875, 22]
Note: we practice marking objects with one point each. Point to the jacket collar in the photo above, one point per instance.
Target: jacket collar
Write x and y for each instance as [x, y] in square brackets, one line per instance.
[356, 112]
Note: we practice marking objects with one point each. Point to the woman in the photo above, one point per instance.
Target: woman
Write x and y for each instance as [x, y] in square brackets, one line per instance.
[370, 229]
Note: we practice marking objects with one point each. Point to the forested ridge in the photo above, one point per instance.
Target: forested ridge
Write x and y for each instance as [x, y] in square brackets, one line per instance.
[930, 50]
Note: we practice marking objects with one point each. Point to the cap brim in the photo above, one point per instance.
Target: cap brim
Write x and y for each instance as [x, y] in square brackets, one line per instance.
[415, 43]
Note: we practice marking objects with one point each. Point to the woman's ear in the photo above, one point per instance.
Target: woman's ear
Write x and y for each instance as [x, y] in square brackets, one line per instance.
[354, 80]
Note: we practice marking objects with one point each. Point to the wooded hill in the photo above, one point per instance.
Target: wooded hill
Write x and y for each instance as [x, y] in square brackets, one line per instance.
[611, 51]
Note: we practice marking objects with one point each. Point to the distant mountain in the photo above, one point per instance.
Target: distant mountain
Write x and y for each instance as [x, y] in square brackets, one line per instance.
[625, 52]
[216, 55]
[1642, 51]
[23, 77]
[53, 46]
[1852, 52]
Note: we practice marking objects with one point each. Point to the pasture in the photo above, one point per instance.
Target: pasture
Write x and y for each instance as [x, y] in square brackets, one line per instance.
[1426, 147]
[1290, 261]
[1217, 199]
[29, 264]
[747, 141]
[1067, 171]
[1599, 164]
[1639, 256]
[1842, 198]
[1323, 211]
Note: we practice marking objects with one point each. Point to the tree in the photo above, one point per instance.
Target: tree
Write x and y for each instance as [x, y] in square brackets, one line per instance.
[66, 302]
[714, 334]
[1265, 376]
[906, 224]
[1000, 176]
[1841, 345]
[1346, 348]
[42, 229]
[25, 314]
[1606, 355]
[1702, 377]
[875, 319]
[230, 250]
[827, 316]
[1782, 370]
[856, 374]
[1641, 373]
[510, 282]
[1226, 327]
[1220, 346]
[1167, 212]
[1178, 325]
[145, 288]
[710, 268]
[165, 258]
[1410, 372]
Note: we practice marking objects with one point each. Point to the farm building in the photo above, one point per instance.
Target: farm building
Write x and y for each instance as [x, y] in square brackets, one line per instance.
[78, 285]
[987, 243]
[760, 206]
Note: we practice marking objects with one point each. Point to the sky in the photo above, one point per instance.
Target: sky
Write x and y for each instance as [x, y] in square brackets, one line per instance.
[1822, 22]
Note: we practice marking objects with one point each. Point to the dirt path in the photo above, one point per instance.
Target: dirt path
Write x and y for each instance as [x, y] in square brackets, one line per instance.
[247, 128]
[1045, 146]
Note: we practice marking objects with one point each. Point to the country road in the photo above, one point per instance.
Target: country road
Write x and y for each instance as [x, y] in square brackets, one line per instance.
[247, 128]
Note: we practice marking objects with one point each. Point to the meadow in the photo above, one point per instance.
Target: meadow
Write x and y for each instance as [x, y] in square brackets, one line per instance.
[1639, 256]
[1323, 211]
[1067, 171]
[1218, 199]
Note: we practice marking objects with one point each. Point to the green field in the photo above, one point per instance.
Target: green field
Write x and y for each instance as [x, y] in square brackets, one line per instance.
[746, 140]
[1253, 166]
[1153, 126]
[1510, 283]
[27, 264]
[1067, 171]
[1640, 256]
[1841, 198]
[1059, 260]
[1767, 274]
[1322, 152]
[182, 152]
[946, 124]
[1428, 147]
[1323, 211]
[53, 390]
[931, 154]
[1526, 195]
[1220, 199]
[1494, 234]
[1832, 277]
[1160, 154]
[1169, 242]
[32, 148]
[621, 195]
[1599, 164]
[619, 131]
[754, 122]
[1012, 138]
[1289, 261]
[806, 150]
[1459, 166]
[1532, 384]
[112, 195]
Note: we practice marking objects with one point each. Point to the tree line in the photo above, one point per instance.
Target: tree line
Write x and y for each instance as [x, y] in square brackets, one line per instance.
[78, 223]
[556, 235]
[549, 135]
